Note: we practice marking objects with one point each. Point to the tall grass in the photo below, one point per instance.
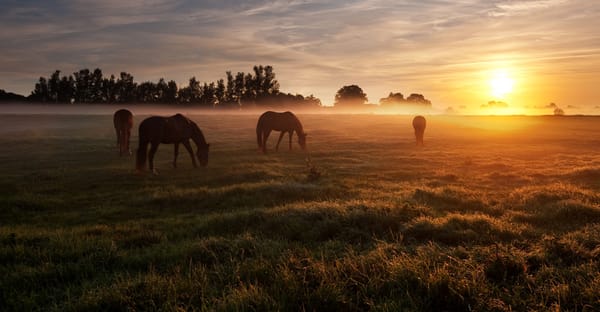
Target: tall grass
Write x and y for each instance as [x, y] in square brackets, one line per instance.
[491, 215]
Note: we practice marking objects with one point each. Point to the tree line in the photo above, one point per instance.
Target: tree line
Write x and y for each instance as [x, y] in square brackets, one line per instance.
[256, 89]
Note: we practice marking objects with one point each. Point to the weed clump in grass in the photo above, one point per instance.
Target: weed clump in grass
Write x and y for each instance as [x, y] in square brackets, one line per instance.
[313, 172]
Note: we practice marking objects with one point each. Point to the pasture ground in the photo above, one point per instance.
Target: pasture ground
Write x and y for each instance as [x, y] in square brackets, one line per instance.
[493, 214]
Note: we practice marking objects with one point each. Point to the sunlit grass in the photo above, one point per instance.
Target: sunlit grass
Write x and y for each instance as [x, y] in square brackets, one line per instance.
[482, 217]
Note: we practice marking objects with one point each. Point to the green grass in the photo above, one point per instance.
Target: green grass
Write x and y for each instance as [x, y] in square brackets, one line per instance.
[493, 214]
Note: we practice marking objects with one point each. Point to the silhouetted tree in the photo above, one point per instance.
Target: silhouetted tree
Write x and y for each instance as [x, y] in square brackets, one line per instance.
[110, 89]
[125, 88]
[208, 95]
[170, 95]
[392, 99]
[97, 92]
[416, 98]
[40, 92]
[313, 101]
[220, 92]
[559, 112]
[230, 88]
[239, 87]
[82, 85]
[67, 89]
[54, 86]
[350, 96]
[147, 92]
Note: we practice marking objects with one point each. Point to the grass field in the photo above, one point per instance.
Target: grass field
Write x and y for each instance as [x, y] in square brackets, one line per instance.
[493, 214]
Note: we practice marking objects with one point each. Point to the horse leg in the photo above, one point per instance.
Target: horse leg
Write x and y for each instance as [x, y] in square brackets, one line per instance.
[279, 141]
[122, 142]
[175, 153]
[153, 149]
[291, 132]
[127, 137]
[188, 147]
[265, 137]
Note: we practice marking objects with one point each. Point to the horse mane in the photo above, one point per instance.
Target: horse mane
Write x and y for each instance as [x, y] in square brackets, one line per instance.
[197, 135]
[299, 128]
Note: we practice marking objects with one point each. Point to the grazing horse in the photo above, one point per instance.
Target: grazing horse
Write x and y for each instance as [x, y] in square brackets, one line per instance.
[284, 122]
[419, 124]
[170, 130]
[123, 121]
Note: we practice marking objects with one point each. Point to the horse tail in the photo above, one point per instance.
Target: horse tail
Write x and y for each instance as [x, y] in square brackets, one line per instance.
[140, 159]
[259, 135]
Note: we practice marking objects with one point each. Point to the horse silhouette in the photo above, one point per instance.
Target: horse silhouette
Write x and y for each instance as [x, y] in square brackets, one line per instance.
[419, 124]
[169, 130]
[275, 121]
[123, 121]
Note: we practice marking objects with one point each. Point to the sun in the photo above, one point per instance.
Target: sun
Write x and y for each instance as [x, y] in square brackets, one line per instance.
[501, 84]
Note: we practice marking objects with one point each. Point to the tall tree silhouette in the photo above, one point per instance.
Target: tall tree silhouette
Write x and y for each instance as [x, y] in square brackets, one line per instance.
[125, 88]
[66, 88]
[220, 92]
[170, 95]
[54, 86]
[40, 92]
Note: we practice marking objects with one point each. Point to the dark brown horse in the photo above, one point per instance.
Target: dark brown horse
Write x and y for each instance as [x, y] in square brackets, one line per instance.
[123, 121]
[170, 130]
[284, 122]
[419, 124]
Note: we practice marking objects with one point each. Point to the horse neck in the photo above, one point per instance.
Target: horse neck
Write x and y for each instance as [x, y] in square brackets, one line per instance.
[198, 136]
[298, 127]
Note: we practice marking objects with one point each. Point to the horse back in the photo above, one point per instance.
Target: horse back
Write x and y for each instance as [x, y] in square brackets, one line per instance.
[285, 121]
[123, 119]
[419, 123]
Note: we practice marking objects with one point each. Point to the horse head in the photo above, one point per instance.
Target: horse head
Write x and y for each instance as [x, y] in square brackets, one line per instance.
[302, 139]
[202, 154]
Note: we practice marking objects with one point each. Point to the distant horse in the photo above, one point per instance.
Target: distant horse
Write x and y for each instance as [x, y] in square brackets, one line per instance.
[123, 121]
[284, 122]
[170, 130]
[419, 124]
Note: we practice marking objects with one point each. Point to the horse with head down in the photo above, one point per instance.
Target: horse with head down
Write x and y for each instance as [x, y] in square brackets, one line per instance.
[419, 124]
[123, 122]
[283, 122]
[176, 129]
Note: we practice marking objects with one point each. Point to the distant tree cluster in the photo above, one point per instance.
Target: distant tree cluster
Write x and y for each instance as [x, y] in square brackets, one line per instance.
[397, 100]
[258, 89]
[12, 97]
[350, 96]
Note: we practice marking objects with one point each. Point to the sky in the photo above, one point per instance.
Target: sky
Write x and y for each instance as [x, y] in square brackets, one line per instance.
[452, 52]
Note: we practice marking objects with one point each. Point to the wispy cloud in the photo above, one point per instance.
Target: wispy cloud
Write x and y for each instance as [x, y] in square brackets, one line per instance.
[508, 8]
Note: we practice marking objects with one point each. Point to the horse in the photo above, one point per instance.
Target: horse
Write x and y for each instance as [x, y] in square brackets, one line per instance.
[123, 121]
[284, 122]
[175, 129]
[419, 124]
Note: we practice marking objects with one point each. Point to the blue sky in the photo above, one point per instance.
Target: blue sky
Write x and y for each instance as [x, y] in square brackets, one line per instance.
[445, 50]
